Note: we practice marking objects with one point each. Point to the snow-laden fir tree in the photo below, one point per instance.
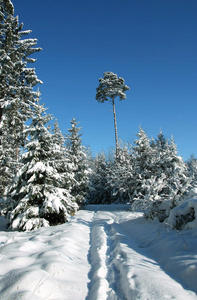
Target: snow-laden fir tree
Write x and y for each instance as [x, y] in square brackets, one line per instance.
[77, 156]
[161, 176]
[171, 170]
[176, 173]
[148, 173]
[156, 199]
[61, 160]
[16, 78]
[17, 81]
[58, 137]
[7, 165]
[38, 198]
[120, 175]
[192, 170]
[99, 189]
[142, 168]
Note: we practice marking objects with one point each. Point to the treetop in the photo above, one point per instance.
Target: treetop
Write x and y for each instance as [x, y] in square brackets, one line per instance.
[110, 87]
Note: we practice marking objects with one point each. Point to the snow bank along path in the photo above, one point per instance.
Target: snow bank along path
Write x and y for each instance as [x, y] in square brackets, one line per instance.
[98, 255]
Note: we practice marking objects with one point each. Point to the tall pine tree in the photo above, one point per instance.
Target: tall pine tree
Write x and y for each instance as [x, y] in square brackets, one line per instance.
[110, 87]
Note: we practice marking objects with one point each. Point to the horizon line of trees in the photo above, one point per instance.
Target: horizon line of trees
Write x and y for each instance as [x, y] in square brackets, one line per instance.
[149, 175]
[57, 175]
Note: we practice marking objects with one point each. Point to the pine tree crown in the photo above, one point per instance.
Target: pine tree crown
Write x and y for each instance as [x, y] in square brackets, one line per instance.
[110, 87]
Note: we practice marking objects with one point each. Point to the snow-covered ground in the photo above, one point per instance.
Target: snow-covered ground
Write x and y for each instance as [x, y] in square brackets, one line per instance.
[104, 252]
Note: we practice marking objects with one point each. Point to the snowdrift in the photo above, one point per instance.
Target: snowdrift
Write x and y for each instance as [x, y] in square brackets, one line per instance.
[184, 216]
[105, 252]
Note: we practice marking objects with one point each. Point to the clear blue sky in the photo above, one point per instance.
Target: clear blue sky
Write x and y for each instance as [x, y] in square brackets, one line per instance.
[152, 44]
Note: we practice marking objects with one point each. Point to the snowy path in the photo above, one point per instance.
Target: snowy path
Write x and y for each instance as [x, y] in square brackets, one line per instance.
[119, 271]
[93, 257]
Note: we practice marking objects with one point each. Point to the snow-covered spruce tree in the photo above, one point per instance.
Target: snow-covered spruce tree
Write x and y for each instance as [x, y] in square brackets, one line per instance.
[60, 159]
[99, 190]
[7, 165]
[184, 216]
[59, 144]
[167, 182]
[58, 137]
[176, 173]
[77, 156]
[16, 84]
[38, 198]
[156, 201]
[120, 176]
[192, 170]
[142, 169]
[110, 87]
[173, 168]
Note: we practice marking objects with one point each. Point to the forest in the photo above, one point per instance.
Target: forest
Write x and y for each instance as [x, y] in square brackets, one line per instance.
[47, 175]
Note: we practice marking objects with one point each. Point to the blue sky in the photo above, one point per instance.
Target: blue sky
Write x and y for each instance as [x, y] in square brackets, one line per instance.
[152, 44]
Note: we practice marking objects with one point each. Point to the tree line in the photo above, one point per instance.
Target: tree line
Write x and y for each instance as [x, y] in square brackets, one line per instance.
[150, 175]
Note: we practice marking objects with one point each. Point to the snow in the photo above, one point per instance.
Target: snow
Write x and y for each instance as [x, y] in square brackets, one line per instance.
[182, 212]
[40, 167]
[103, 252]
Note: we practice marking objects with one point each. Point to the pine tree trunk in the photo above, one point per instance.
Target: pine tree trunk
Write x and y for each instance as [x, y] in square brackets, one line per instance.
[115, 127]
[1, 113]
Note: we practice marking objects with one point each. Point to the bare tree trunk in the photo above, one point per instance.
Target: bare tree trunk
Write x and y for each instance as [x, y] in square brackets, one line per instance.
[115, 127]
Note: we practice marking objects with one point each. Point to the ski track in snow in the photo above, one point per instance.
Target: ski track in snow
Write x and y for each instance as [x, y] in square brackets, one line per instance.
[105, 258]
[90, 258]
[118, 272]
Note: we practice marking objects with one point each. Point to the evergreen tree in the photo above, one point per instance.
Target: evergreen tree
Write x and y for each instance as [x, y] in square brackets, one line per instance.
[143, 166]
[161, 176]
[59, 148]
[77, 156]
[58, 137]
[110, 87]
[192, 170]
[172, 168]
[8, 165]
[60, 158]
[38, 198]
[120, 176]
[178, 181]
[16, 79]
[16, 86]
[99, 189]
